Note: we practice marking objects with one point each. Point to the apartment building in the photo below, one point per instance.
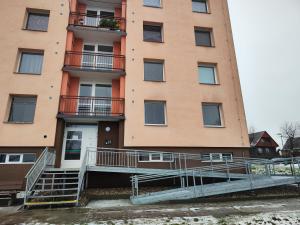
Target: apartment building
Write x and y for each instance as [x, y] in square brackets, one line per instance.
[78, 75]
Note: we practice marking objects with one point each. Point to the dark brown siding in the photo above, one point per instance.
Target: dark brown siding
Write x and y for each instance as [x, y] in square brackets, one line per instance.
[59, 138]
[12, 175]
[108, 139]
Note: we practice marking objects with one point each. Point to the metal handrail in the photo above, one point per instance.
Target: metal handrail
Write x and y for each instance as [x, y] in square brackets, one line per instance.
[46, 158]
[81, 176]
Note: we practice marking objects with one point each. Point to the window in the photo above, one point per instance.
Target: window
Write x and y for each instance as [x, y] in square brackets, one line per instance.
[155, 113]
[200, 6]
[153, 71]
[29, 158]
[73, 145]
[31, 62]
[2, 158]
[153, 33]
[155, 157]
[22, 109]
[211, 114]
[203, 37]
[17, 158]
[207, 74]
[37, 20]
[153, 3]
[217, 157]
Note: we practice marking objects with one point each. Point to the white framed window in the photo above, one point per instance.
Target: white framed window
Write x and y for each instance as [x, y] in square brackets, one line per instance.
[212, 114]
[156, 157]
[17, 158]
[200, 6]
[216, 157]
[207, 74]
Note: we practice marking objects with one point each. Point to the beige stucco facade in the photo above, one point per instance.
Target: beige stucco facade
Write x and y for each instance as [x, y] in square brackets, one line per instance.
[181, 90]
[45, 86]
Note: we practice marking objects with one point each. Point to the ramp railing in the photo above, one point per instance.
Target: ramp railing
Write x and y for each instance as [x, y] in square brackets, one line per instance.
[47, 158]
[128, 158]
[193, 177]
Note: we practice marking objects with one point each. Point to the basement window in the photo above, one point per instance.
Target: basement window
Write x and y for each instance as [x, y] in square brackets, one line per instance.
[156, 157]
[17, 158]
[216, 157]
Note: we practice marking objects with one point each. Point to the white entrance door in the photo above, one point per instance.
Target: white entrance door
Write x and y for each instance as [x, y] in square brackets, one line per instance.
[77, 139]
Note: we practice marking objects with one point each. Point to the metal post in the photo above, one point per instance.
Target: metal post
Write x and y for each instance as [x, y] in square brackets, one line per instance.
[201, 181]
[186, 174]
[194, 182]
[227, 171]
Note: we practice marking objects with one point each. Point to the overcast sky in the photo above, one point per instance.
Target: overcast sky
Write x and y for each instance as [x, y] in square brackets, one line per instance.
[267, 42]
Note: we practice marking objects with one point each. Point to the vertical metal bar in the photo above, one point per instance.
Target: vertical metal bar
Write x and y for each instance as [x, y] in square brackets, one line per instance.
[194, 183]
[186, 172]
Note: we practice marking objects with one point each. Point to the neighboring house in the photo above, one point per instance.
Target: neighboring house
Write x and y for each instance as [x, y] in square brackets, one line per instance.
[136, 74]
[263, 145]
[291, 148]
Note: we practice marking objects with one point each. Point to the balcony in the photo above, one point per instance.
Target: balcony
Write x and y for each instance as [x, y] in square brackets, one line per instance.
[97, 108]
[95, 27]
[84, 63]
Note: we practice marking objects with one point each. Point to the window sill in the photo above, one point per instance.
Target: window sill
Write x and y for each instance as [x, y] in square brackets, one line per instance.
[44, 31]
[160, 42]
[205, 46]
[10, 122]
[156, 81]
[217, 84]
[212, 126]
[35, 74]
[156, 125]
[153, 6]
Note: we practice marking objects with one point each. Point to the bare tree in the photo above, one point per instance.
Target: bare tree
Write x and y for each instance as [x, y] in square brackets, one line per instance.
[289, 131]
[251, 132]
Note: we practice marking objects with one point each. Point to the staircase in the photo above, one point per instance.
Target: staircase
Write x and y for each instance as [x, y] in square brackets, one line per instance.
[54, 187]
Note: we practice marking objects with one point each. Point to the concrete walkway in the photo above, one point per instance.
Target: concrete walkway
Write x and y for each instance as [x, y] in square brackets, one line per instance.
[122, 212]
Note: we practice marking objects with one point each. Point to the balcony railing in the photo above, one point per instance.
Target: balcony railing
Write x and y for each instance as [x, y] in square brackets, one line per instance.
[95, 61]
[91, 106]
[95, 21]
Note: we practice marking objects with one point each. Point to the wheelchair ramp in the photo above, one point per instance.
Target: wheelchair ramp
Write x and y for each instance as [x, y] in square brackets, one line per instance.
[199, 191]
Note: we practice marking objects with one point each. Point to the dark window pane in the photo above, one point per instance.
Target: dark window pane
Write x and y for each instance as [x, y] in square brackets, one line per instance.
[203, 38]
[74, 135]
[154, 112]
[2, 158]
[153, 71]
[167, 157]
[211, 115]
[205, 157]
[91, 13]
[29, 158]
[85, 90]
[155, 3]
[14, 158]
[90, 48]
[22, 109]
[143, 156]
[103, 90]
[227, 156]
[206, 75]
[152, 33]
[31, 63]
[104, 14]
[199, 6]
[37, 21]
[155, 156]
[105, 48]
[73, 149]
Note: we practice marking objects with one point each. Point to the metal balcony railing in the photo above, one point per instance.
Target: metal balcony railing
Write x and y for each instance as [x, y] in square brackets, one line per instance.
[97, 21]
[91, 106]
[95, 61]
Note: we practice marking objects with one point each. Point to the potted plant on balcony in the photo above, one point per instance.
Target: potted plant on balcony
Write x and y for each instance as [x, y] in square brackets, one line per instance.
[109, 23]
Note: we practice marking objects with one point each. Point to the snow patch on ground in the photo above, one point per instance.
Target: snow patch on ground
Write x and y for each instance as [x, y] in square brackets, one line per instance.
[274, 218]
[101, 204]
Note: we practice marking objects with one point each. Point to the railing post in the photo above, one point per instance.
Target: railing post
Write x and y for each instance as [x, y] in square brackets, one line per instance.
[227, 171]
